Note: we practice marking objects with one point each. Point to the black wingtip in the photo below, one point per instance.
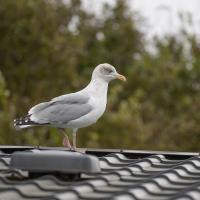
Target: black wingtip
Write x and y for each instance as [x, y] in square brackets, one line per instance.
[23, 122]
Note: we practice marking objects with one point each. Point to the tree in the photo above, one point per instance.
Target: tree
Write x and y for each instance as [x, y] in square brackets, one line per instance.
[49, 48]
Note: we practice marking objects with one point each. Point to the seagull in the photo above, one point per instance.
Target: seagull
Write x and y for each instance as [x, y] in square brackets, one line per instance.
[74, 110]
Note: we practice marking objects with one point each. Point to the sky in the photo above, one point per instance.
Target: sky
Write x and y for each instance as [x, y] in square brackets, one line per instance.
[162, 16]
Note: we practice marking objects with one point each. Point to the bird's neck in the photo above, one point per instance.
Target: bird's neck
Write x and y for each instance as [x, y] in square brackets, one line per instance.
[97, 87]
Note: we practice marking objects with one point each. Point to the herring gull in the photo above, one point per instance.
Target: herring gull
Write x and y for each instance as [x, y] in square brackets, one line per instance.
[74, 110]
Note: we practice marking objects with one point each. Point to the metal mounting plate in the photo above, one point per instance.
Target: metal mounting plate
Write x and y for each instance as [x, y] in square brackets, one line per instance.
[54, 161]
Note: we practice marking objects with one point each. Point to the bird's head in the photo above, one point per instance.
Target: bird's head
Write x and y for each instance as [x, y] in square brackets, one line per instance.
[107, 72]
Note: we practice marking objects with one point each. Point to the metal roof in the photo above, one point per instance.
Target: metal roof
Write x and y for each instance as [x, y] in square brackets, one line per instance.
[125, 174]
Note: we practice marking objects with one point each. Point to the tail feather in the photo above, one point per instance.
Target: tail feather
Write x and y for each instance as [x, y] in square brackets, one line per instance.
[24, 122]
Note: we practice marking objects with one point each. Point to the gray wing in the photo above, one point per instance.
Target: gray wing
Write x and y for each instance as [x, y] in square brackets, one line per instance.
[38, 107]
[61, 109]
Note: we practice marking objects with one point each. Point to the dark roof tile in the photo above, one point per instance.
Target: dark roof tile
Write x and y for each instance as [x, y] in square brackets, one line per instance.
[126, 175]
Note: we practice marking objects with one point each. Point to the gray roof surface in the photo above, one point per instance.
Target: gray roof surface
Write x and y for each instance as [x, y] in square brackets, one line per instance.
[124, 175]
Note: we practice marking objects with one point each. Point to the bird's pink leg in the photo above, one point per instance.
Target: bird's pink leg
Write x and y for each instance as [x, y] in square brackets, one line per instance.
[66, 142]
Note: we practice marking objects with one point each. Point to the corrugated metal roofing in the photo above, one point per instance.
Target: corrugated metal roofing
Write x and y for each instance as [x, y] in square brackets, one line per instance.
[124, 175]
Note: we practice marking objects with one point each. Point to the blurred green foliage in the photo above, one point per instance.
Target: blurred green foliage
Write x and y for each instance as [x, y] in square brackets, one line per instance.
[49, 48]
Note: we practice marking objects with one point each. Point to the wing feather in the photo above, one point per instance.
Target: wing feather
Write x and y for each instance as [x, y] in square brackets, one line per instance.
[62, 109]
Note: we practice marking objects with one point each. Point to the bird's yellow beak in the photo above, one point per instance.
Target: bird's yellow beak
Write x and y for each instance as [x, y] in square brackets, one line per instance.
[121, 77]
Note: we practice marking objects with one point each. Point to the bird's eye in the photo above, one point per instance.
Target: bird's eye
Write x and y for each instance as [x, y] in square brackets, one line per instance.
[108, 71]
